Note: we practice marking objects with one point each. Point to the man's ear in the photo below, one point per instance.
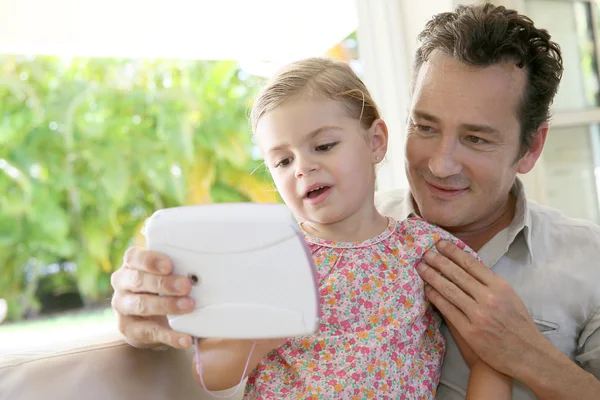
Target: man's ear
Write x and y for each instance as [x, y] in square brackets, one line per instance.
[527, 162]
[378, 137]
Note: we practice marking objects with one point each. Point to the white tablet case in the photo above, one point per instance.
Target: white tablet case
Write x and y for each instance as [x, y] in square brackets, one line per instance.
[255, 276]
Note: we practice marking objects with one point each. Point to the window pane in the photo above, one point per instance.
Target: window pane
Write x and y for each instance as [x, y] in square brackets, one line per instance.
[571, 162]
[573, 25]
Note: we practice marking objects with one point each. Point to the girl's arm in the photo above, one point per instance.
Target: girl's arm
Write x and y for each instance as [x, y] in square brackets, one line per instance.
[487, 383]
[224, 360]
[484, 381]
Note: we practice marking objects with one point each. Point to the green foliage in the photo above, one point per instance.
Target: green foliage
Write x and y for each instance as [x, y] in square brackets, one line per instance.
[89, 148]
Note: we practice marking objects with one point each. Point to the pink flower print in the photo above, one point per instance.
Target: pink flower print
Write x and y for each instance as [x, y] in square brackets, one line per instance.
[346, 325]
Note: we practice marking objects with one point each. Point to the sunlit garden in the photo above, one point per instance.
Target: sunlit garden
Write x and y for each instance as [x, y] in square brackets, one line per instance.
[91, 147]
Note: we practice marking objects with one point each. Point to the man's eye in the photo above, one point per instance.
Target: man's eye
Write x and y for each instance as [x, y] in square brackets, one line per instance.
[325, 147]
[475, 140]
[424, 128]
[283, 163]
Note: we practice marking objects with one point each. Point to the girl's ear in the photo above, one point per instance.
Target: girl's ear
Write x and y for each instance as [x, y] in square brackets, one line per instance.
[378, 138]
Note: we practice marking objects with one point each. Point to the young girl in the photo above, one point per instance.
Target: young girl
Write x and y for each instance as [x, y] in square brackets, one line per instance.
[321, 137]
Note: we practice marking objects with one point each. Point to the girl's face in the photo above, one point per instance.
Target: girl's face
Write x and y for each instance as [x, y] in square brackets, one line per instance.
[322, 160]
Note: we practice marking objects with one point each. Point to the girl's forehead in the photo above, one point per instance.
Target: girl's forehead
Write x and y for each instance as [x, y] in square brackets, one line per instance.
[302, 115]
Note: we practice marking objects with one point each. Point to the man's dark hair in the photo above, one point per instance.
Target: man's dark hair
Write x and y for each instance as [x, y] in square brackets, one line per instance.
[482, 35]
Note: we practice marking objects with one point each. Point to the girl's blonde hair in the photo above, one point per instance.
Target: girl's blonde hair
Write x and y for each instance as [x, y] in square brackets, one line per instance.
[317, 78]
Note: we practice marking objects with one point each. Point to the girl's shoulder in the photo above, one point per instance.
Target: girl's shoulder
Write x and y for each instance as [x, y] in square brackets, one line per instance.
[415, 231]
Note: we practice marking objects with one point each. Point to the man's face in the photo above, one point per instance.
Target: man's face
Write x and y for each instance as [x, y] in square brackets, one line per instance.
[462, 143]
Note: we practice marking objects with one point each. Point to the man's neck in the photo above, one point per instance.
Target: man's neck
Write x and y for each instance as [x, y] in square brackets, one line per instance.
[476, 235]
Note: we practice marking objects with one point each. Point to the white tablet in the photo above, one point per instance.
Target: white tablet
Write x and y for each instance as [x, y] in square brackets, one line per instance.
[252, 272]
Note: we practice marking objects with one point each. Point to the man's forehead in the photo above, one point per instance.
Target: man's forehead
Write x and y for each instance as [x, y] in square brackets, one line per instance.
[443, 68]
[453, 90]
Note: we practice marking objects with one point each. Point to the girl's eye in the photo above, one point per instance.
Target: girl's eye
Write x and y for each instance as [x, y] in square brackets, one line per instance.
[326, 147]
[283, 163]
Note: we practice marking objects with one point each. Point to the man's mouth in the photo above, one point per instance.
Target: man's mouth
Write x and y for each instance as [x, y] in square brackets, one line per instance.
[445, 191]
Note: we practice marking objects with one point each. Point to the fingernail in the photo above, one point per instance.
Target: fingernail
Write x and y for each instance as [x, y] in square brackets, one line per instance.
[429, 256]
[184, 342]
[441, 244]
[421, 267]
[184, 303]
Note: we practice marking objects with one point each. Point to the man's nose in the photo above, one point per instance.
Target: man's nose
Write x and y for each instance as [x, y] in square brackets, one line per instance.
[444, 162]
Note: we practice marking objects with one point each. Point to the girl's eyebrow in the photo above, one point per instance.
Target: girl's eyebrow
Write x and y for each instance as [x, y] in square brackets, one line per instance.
[310, 135]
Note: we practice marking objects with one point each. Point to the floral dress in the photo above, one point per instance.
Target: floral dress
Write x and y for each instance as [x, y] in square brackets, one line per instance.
[379, 337]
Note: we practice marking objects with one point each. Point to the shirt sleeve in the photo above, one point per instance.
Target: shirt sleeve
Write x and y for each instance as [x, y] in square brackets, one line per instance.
[430, 234]
[588, 348]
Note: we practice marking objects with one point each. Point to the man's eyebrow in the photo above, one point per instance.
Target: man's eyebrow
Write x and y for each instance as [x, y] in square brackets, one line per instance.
[480, 129]
[477, 128]
[426, 116]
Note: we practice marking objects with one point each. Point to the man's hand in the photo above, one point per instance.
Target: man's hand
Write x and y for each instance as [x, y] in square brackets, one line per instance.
[140, 310]
[465, 350]
[485, 311]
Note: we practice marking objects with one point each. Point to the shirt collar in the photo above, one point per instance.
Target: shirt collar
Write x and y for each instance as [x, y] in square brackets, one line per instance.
[522, 218]
[520, 222]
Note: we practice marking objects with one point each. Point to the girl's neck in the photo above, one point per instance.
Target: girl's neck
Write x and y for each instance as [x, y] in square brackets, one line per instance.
[358, 227]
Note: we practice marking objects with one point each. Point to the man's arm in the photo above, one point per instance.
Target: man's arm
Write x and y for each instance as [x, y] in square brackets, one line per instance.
[491, 317]
[560, 374]
[553, 376]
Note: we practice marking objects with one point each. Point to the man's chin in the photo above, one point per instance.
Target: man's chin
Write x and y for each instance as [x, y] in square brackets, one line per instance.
[442, 216]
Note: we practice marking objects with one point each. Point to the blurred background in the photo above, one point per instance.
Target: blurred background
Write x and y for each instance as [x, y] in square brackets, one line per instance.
[111, 110]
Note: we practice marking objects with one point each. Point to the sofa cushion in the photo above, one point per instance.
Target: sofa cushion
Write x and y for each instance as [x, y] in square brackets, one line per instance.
[99, 368]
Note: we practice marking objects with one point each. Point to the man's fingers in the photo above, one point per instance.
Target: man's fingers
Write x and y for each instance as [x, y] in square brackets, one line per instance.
[134, 280]
[451, 313]
[467, 262]
[144, 332]
[146, 260]
[455, 274]
[146, 305]
[445, 288]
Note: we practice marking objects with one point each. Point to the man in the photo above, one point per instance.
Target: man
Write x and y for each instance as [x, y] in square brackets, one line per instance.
[484, 79]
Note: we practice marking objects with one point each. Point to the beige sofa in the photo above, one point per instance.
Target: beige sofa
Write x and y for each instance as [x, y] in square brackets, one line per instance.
[103, 367]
